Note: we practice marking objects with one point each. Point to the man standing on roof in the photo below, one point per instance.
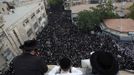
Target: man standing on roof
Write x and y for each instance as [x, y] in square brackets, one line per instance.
[27, 63]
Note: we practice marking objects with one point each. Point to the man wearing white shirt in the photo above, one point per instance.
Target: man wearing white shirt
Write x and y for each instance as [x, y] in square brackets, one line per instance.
[65, 68]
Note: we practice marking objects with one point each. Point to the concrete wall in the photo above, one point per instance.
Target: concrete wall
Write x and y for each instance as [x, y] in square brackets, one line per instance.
[116, 34]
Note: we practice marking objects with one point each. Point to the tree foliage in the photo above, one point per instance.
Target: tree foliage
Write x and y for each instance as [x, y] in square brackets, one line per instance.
[105, 10]
[131, 9]
[55, 4]
[89, 19]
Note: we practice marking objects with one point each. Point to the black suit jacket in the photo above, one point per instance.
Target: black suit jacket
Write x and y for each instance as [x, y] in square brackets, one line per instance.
[27, 64]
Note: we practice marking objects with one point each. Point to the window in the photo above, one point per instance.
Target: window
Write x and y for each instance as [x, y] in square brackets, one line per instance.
[29, 32]
[75, 19]
[94, 1]
[8, 9]
[33, 15]
[42, 7]
[25, 22]
[39, 4]
[44, 15]
[40, 19]
[8, 55]
[35, 25]
[38, 11]
[3, 9]
[24, 25]
[1, 43]
[2, 34]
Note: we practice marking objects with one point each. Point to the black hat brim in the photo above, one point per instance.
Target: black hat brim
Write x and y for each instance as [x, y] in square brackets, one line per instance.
[29, 45]
[28, 48]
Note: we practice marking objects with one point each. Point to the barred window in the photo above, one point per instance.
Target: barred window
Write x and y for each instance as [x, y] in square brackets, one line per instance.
[38, 11]
[35, 25]
[33, 15]
[29, 32]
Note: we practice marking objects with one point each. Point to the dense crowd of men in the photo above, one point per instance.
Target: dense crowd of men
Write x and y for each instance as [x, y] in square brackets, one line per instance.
[126, 50]
[62, 38]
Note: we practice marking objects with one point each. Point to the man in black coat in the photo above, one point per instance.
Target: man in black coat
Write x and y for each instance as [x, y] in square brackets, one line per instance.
[104, 63]
[27, 63]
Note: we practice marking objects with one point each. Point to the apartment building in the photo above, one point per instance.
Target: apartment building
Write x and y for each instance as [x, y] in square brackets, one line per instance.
[121, 7]
[70, 3]
[17, 25]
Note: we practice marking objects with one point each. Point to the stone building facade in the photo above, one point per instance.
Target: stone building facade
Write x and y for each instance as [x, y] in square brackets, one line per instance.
[18, 25]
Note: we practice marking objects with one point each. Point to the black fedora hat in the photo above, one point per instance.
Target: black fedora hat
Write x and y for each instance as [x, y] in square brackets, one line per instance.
[104, 63]
[29, 45]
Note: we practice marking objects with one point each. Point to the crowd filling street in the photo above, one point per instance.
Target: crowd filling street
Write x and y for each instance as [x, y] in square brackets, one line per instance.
[62, 38]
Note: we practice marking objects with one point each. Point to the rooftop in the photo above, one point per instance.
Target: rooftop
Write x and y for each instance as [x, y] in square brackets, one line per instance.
[121, 25]
[81, 7]
[20, 12]
[6, 0]
[78, 8]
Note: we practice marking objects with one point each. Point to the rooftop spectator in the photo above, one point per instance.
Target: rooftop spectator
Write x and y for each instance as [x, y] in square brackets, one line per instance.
[27, 63]
[65, 68]
[103, 63]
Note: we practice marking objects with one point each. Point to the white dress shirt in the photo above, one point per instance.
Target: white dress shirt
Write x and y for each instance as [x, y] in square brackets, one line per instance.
[74, 71]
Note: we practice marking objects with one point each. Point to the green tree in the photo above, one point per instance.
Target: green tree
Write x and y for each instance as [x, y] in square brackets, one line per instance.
[131, 9]
[105, 10]
[55, 3]
[87, 20]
